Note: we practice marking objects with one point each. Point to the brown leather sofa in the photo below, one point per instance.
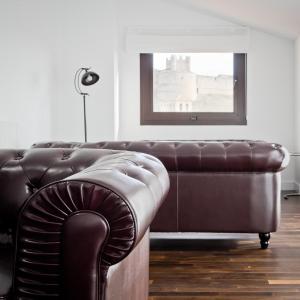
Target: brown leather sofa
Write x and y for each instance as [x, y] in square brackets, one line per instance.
[216, 186]
[79, 223]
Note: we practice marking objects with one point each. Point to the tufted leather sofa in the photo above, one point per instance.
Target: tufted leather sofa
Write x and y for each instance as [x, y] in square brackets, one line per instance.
[216, 186]
[79, 223]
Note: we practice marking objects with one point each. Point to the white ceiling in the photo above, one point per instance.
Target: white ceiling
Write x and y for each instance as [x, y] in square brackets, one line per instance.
[281, 17]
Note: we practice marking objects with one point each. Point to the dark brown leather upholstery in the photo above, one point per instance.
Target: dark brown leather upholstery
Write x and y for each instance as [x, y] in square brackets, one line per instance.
[216, 186]
[133, 282]
[200, 156]
[230, 202]
[6, 262]
[78, 212]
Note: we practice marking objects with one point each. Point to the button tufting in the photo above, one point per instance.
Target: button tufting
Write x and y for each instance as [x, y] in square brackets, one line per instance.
[100, 145]
[201, 155]
[65, 156]
[19, 156]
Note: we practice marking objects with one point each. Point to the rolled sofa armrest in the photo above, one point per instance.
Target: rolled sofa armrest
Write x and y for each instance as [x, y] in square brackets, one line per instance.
[125, 189]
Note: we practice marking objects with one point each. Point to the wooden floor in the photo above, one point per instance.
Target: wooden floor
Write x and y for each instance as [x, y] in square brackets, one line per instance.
[232, 269]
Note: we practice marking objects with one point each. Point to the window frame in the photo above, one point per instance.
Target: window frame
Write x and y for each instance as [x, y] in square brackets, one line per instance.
[149, 117]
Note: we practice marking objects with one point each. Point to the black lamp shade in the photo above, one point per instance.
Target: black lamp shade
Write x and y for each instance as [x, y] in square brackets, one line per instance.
[89, 78]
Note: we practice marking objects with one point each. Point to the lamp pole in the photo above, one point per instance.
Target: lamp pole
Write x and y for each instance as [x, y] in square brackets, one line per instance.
[84, 116]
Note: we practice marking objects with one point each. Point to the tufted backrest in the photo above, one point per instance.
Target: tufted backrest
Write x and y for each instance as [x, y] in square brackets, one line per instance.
[200, 156]
[23, 172]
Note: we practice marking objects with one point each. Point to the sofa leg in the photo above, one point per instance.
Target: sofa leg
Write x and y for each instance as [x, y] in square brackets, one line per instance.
[264, 239]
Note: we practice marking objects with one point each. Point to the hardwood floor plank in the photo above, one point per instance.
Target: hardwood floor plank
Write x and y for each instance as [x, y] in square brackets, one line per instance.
[285, 281]
[230, 269]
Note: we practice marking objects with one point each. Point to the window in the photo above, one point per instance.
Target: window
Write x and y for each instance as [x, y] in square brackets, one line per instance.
[193, 89]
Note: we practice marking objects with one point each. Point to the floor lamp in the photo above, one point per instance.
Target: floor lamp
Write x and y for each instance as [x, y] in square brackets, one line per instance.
[84, 76]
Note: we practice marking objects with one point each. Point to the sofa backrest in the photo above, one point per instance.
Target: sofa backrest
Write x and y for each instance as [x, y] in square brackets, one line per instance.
[22, 172]
[199, 156]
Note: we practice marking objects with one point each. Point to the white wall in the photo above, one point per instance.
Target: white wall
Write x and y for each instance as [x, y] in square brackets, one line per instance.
[270, 82]
[43, 43]
[297, 108]
[86, 39]
[26, 70]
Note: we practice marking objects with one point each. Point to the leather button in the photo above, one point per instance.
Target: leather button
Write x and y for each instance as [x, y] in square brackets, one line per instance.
[65, 156]
[19, 156]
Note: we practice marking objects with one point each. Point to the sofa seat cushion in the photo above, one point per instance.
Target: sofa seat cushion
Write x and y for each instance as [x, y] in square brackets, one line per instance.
[6, 266]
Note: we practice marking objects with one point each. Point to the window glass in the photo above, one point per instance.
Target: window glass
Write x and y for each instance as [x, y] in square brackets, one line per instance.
[193, 82]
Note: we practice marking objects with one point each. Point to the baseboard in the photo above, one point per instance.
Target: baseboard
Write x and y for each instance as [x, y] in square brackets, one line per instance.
[202, 235]
[290, 186]
[297, 186]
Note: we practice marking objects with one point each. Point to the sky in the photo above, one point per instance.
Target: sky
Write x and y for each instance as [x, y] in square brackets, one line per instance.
[210, 64]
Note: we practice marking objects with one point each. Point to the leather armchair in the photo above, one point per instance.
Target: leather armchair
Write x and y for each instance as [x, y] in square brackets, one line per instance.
[79, 223]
